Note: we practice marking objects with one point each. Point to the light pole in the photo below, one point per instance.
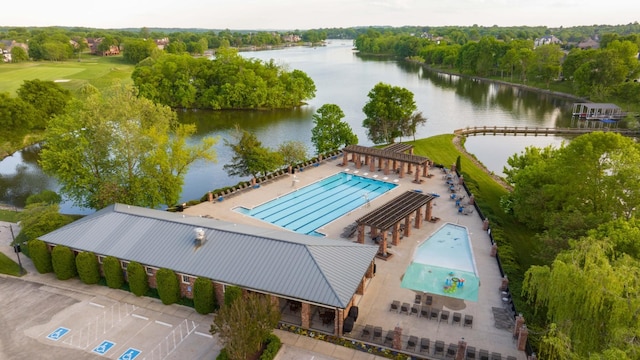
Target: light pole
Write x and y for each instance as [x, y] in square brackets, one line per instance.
[16, 248]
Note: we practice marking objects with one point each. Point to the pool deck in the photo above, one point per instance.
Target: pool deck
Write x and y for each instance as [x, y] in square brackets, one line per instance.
[385, 286]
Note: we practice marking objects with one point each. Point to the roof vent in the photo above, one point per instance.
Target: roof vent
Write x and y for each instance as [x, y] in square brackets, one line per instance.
[200, 238]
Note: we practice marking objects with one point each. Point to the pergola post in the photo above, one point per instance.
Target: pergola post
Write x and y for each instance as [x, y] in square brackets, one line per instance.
[417, 177]
[383, 244]
[305, 315]
[396, 234]
[345, 158]
[386, 166]
[428, 214]
[418, 221]
[361, 233]
[372, 164]
[425, 170]
[358, 161]
[409, 168]
[401, 170]
[407, 226]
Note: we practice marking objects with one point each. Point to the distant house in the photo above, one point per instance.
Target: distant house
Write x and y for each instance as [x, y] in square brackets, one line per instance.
[292, 38]
[94, 47]
[162, 43]
[7, 45]
[590, 43]
[546, 40]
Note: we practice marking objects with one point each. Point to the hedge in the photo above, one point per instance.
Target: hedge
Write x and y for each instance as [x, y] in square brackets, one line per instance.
[113, 272]
[40, 256]
[203, 296]
[168, 286]
[64, 262]
[231, 293]
[137, 276]
[273, 346]
[88, 267]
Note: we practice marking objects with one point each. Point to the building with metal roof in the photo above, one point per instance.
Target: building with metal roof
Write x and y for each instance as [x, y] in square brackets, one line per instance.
[310, 272]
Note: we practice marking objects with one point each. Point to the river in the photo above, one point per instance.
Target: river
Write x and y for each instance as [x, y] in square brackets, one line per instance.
[344, 78]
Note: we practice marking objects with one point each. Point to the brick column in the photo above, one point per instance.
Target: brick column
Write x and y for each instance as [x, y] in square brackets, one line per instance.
[407, 226]
[429, 212]
[409, 168]
[219, 291]
[519, 323]
[485, 224]
[369, 274]
[462, 350]
[417, 177]
[396, 234]
[397, 338]
[522, 338]
[345, 158]
[372, 164]
[210, 196]
[383, 244]
[361, 233]
[305, 315]
[472, 200]
[358, 161]
[494, 250]
[504, 284]
[360, 289]
[339, 321]
[386, 166]
[401, 175]
[418, 220]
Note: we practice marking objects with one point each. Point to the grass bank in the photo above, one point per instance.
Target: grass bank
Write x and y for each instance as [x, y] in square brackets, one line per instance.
[8, 266]
[99, 71]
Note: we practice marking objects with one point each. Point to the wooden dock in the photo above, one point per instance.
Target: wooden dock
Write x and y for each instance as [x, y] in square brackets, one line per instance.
[538, 131]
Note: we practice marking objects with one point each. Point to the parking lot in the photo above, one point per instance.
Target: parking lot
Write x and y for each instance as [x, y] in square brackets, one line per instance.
[45, 322]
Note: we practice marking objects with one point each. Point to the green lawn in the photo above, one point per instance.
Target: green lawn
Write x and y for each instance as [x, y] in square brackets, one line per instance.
[9, 215]
[100, 72]
[8, 266]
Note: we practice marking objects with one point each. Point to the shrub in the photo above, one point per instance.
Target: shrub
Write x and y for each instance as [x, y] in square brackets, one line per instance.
[64, 262]
[40, 256]
[232, 293]
[113, 272]
[273, 345]
[203, 296]
[224, 355]
[138, 282]
[88, 267]
[168, 286]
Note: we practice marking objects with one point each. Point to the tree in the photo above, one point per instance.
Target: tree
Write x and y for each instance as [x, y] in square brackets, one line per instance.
[292, 152]
[120, 148]
[137, 278]
[244, 325]
[48, 197]
[47, 98]
[547, 62]
[168, 286]
[39, 219]
[330, 133]
[18, 54]
[136, 50]
[64, 262]
[40, 256]
[388, 111]
[249, 156]
[88, 267]
[590, 292]
[113, 272]
[204, 299]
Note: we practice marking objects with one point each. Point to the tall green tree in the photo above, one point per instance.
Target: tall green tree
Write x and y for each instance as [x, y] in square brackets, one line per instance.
[388, 111]
[547, 60]
[243, 325]
[292, 152]
[136, 50]
[330, 133]
[249, 156]
[40, 218]
[18, 54]
[119, 147]
[47, 98]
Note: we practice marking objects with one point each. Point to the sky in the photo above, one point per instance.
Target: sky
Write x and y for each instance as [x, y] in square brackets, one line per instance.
[314, 14]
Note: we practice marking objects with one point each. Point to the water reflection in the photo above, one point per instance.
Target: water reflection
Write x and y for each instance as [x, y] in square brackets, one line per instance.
[20, 176]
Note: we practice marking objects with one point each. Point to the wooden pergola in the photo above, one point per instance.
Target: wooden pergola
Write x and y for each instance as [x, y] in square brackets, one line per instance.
[391, 214]
[391, 157]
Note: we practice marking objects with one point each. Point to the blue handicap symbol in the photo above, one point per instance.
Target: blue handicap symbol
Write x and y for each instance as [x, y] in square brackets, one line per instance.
[57, 333]
[103, 347]
[130, 354]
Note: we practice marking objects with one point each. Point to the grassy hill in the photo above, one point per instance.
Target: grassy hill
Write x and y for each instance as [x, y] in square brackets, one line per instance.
[98, 71]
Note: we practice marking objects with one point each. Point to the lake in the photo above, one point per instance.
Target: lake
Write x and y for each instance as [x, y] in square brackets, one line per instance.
[344, 78]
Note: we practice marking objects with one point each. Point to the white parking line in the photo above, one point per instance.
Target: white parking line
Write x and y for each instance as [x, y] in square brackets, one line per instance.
[203, 334]
[140, 317]
[96, 305]
[163, 323]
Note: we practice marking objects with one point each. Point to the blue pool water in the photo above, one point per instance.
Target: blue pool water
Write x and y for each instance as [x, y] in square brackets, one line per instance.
[441, 261]
[313, 206]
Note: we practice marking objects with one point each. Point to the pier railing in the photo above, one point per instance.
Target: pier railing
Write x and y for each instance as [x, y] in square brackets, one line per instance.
[538, 131]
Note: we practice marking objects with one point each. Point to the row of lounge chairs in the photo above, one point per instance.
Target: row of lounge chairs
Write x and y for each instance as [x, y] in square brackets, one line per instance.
[430, 313]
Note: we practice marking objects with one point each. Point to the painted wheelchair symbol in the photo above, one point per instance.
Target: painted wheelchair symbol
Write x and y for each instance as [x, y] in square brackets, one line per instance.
[58, 333]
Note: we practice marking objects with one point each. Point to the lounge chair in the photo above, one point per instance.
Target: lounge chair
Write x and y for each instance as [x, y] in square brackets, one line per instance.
[429, 300]
[468, 321]
[395, 306]
[405, 308]
[444, 316]
[424, 311]
[496, 356]
[418, 299]
[433, 315]
[377, 333]
[511, 358]
[415, 310]
[388, 339]
[412, 342]
[471, 353]
[424, 345]
[439, 348]
[484, 355]
[367, 331]
[452, 350]
[457, 318]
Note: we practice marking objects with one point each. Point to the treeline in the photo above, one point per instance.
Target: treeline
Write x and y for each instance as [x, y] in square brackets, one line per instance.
[58, 43]
[227, 82]
[600, 74]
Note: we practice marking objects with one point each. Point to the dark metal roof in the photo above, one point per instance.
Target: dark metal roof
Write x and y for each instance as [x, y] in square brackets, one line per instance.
[386, 154]
[313, 269]
[398, 147]
[395, 210]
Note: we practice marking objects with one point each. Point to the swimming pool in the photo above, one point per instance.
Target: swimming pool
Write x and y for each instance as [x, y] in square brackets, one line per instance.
[444, 265]
[311, 207]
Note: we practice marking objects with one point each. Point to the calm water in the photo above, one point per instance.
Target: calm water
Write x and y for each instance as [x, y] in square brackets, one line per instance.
[307, 209]
[343, 78]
